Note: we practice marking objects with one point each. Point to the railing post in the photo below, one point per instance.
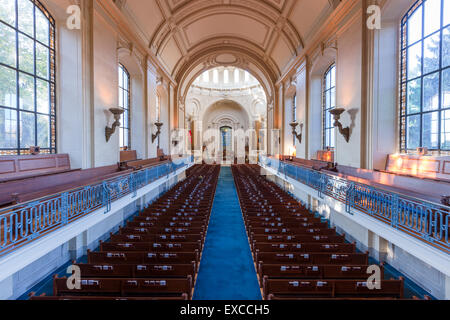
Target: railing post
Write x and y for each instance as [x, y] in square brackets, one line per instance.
[64, 208]
[349, 197]
[394, 211]
[106, 197]
[133, 184]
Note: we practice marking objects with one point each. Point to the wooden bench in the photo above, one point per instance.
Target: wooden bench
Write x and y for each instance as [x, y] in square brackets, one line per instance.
[19, 191]
[167, 223]
[299, 238]
[141, 230]
[27, 166]
[330, 288]
[137, 270]
[304, 247]
[153, 247]
[125, 287]
[287, 225]
[312, 258]
[293, 231]
[43, 297]
[115, 257]
[157, 238]
[299, 271]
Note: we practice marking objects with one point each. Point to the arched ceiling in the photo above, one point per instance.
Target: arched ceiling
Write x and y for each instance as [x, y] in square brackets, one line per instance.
[272, 32]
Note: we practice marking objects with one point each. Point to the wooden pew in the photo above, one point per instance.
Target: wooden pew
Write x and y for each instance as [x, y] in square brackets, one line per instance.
[299, 231]
[116, 257]
[288, 288]
[154, 247]
[27, 166]
[141, 230]
[125, 287]
[305, 247]
[19, 191]
[166, 223]
[163, 217]
[297, 271]
[43, 297]
[312, 258]
[299, 238]
[157, 238]
[287, 225]
[137, 270]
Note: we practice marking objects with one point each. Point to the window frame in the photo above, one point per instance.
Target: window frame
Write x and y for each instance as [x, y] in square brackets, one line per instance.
[325, 108]
[404, 81]
[51, 81]
[123, 128]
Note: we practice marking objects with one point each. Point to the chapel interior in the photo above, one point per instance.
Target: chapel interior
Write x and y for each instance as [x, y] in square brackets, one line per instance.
[224, 150]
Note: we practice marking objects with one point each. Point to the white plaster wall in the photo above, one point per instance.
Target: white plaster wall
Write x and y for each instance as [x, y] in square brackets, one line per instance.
[301, 113]
[348, 92]
[105, 92]
[70, 124]
[151, 116]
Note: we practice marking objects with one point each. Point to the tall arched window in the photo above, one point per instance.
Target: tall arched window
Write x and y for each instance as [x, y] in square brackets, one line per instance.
[27, 77]
[425, 76]
[124, 103]
[329, 103]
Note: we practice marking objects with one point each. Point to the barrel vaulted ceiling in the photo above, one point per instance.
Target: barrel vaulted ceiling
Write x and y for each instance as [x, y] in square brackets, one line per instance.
[273, 32]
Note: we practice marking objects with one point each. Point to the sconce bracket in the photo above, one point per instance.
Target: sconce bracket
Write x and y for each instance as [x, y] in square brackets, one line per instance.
[345, 132]
[158, 132]
[109, 131]
[299, 136]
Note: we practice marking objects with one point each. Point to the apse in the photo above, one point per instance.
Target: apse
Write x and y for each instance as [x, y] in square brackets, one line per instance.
[231, 99]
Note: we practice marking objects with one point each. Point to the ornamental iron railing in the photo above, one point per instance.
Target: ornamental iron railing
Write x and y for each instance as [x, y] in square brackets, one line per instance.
[23, 223]
[421, 219]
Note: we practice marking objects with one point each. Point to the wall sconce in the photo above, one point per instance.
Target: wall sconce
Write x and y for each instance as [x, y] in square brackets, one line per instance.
[158, 132]
[294, 131]
[117, 112]
[337, 116]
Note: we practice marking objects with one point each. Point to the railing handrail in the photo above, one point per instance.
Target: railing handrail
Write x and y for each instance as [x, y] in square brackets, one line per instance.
[422, 219]
[401, 195]
[23, 223]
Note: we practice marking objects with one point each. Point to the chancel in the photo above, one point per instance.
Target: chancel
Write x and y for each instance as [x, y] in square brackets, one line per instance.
[224, 150]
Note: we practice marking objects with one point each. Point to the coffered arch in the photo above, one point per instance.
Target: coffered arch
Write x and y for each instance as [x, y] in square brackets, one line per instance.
[225, 56]
[177, 30]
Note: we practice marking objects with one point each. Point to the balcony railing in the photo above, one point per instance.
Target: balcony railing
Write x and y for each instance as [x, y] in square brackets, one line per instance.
[21, 224]
[423, 220]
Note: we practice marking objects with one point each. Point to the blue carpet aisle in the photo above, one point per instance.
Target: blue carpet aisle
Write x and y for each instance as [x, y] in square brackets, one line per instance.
[226, 270]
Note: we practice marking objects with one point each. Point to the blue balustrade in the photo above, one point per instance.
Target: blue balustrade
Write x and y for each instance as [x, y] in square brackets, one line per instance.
[25, 222]
[422, 219]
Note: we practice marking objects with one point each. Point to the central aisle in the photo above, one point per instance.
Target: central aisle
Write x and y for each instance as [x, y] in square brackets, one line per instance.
[226, 270]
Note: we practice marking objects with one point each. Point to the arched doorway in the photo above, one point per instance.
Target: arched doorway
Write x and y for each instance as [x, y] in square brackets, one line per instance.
[226, 142]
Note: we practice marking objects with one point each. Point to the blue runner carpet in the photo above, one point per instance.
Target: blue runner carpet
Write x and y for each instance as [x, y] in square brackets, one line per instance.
[226, 271]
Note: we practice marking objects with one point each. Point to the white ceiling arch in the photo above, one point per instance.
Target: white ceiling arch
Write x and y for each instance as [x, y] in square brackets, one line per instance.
[216, 56]
[178, 30]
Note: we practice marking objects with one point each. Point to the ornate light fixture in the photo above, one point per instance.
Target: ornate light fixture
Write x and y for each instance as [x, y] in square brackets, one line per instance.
[294, 131]
[117, 112]
[337, 116]
[158, 132]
